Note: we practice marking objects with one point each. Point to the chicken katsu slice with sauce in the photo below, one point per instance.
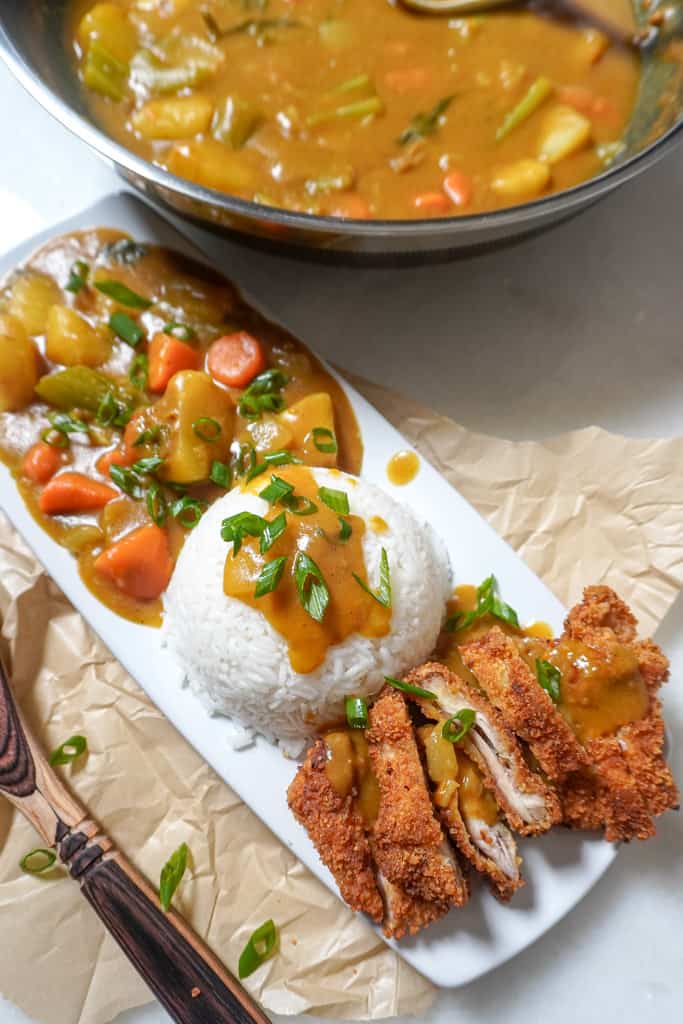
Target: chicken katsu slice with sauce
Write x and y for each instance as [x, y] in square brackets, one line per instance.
[529, 805]
[500, 669]
[326, 805]
[406, 837]
[404, 914]
[609, 686]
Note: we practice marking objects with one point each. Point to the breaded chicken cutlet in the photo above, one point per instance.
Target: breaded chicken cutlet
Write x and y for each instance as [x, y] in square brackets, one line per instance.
[609, 771]
[395, 863]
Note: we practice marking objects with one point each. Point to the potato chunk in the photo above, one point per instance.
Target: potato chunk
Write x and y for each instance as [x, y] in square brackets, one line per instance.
[180, 117]
[31, 298]
[209, 163]
[564, 131]
[521, 180]
[18, 365]
[191, 408]
[72, 341]
[302, 418]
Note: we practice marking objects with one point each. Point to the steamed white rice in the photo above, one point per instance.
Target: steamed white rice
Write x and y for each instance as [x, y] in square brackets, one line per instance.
[239, 665]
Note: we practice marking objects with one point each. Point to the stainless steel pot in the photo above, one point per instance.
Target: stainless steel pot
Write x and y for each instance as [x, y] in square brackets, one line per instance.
[32, 44]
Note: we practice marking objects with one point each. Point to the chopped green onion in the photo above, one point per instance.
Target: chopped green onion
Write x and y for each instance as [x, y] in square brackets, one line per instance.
[488, 603]
[281, 458]
[148, 465]
[243, 524]
[345, 530]
[417, 691]
[54, 438]
[180, 331]
[537, 93]
[383, 594]
[270, 576]
[220, 474]
[127, 480]
[458, 725]
[69, 750]
[324, 440]
[107, 410]
[338, 501]
[66, 424]
[356, 712]
[125, 328]
[187, 511]
[273, 529]
[149, 436]
[424, 124]
[246, 452]
[257, 950]
[207, 429]
[171, 875]
[157, 506]
[549, 678]
[78, 277]
[139, 370]
[361, 81]
[120, 292]
[276, 490]
[263, 394]
[360, 109]
[310, 584]
[37, 862]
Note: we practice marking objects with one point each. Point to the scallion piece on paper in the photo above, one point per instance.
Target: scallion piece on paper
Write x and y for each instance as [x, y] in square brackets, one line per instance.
[171, 875]
[457, 726]
[38, 861]
[260, 946]
[69, 750]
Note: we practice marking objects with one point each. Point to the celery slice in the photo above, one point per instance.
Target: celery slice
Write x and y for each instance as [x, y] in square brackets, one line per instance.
[537, 94]
[103, 73]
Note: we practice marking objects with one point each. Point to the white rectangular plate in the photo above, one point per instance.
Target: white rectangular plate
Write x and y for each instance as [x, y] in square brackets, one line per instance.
[559, 869]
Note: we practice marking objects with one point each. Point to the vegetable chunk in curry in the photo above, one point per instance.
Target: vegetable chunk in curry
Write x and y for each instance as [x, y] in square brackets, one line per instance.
[358, 108]
[136, 387]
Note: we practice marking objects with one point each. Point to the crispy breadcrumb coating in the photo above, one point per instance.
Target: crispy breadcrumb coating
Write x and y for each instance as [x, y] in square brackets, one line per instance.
[601, 613]
[512, 687]
[406, 915]
[337, 831]
[408, 843]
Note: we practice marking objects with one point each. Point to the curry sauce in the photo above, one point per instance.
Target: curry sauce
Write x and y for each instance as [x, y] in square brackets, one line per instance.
[457, 779]
[84, 326]
[350, 609]
[350, 772]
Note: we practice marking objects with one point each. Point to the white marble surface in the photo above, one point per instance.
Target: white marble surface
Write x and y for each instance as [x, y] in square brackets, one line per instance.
[579, 326]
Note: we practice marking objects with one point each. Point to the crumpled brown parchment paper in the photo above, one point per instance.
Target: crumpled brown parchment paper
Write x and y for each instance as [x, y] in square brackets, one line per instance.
[584, 507]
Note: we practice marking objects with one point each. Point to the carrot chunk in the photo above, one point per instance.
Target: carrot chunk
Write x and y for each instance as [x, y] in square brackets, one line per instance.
[351, 206]
[458, 188]
[116, 457]
[167, 356]
[41, 462]
[235, 359]
[74, 492]
[139, 564]
[432, 203]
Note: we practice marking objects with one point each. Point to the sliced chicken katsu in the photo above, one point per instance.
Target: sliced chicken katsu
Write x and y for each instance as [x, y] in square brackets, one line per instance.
[511, 686]
[407, 840]
[329, 812]
[404, 914]
[469, 811]
[529, 805]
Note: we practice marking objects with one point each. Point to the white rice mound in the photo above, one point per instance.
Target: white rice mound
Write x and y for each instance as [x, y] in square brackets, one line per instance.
[238, 665]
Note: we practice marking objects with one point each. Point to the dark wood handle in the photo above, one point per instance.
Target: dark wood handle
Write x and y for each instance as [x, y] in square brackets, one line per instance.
[185, 976]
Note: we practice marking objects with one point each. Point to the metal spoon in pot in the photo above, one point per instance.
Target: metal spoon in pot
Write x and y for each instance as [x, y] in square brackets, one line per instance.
[566, 10]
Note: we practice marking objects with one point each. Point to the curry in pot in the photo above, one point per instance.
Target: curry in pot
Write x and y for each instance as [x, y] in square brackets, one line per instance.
[357, 108]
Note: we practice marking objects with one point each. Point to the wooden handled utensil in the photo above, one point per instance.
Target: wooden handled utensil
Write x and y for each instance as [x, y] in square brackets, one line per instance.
[185, 976]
